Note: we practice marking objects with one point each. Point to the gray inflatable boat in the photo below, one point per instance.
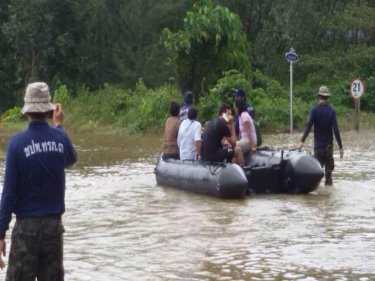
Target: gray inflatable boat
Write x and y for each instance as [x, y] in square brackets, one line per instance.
[266, 171]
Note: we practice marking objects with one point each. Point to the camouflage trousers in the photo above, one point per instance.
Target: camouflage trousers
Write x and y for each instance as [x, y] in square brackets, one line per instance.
[36, 250]
[325, 158]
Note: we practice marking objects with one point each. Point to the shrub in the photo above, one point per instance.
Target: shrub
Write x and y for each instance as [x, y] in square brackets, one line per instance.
[12, 115]
[227, 84]
[148, 108]
[209, 106]
[104, 106]
[61, 95]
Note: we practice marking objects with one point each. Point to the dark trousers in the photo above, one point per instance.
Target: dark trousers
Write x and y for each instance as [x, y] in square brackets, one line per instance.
[325, 158]
[36, 250]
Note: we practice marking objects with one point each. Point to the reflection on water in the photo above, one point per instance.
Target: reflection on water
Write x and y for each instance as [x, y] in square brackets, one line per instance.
[121, 226]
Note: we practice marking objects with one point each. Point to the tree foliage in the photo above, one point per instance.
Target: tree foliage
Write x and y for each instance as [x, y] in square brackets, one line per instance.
[7, 64]
[77, 42]
[120, 40]
[211, 41]
[41, 37]
[209, 46]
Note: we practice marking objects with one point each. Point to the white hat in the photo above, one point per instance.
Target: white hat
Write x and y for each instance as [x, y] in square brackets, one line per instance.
[37, 98]
[323, 91]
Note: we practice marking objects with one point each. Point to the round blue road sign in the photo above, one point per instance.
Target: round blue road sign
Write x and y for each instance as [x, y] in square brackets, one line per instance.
[291, 56]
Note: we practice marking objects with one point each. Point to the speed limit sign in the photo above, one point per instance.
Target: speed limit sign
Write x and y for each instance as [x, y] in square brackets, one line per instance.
[357, 88]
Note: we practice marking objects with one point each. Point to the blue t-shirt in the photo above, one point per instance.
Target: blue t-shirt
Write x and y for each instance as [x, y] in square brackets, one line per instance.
[323, 117]
[34, 183]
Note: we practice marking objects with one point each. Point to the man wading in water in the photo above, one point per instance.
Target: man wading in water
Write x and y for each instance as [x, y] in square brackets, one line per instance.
[323, 117]
[34, 190]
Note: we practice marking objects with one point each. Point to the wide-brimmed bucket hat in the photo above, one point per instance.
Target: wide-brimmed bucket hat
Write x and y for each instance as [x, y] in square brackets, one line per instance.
[323, 91]
[37, 99]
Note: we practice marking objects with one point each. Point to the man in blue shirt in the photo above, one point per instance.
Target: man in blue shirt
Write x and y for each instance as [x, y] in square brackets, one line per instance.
[323, 117]
[34, 190]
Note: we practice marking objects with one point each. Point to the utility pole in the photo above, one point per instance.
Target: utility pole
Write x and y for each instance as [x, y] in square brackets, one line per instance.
[291, 57]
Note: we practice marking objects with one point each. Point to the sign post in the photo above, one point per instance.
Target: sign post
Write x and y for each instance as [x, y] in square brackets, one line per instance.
[291, 57]
[357, 88]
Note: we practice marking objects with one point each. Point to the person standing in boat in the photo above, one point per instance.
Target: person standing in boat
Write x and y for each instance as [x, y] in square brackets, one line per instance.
[218, 131]
[323, 117]
[187, 104]
[170, 148]
[189, 136]
[248, 137]
[34, 190]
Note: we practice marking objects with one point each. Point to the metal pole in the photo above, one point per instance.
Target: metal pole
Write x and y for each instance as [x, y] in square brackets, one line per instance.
[291, 97]
[357, 106]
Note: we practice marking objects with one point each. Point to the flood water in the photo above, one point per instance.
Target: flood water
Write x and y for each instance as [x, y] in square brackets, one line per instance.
[121, 226]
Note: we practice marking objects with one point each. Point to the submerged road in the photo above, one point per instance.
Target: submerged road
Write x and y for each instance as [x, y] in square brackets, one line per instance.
[121, 226]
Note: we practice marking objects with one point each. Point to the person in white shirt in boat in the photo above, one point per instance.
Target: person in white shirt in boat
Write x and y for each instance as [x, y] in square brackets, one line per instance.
[189, 137]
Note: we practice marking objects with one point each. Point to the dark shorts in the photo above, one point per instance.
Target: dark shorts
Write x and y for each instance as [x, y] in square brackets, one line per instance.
[36, 250]
[325, 157]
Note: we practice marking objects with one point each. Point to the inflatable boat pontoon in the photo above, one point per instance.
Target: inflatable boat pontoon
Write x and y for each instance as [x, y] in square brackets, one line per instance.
[266, 171]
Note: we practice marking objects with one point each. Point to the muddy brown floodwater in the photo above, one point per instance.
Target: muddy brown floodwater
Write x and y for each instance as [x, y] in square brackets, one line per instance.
[121, 226]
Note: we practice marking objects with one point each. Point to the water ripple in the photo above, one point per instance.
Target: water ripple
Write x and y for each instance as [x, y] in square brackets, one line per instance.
[121, 226]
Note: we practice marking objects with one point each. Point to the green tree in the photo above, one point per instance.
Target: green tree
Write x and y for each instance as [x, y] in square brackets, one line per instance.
[120, 40]
[211, 41]
[38, 32]
[7, 63]
[90, 43]
[139, 52]
[312, 27]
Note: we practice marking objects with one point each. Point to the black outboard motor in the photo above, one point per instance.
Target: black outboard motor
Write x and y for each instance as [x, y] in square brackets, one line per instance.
[282, 171]
[263, 172]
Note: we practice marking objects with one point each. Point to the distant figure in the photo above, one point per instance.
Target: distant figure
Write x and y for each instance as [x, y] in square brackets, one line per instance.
[189, 137]
[323, 117]
[186, 105]
[248, 137]
[219, 139]
[34, 190]
[170, 148]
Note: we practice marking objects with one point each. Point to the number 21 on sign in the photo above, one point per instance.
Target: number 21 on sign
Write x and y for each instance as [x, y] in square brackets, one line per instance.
[357, 88]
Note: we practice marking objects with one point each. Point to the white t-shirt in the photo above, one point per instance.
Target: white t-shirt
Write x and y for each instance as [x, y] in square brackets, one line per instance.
[188, 133]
